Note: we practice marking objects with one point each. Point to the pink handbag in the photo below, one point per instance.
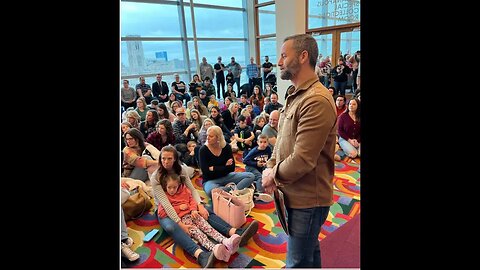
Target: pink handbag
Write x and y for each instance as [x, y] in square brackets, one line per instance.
[228, 207]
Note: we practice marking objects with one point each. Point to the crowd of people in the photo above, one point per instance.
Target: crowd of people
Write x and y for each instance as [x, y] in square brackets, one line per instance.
[197, 128]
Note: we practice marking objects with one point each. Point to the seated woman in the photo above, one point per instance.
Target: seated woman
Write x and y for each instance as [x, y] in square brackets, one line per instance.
[187, 209]
[169, 163]
[134, 164]
[349, 129]
[126, 241]
[163, 136]
[218, 165]
[164, 113]
[202, 135]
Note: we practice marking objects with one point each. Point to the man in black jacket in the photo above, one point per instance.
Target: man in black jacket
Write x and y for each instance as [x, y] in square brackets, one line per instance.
[160, 89]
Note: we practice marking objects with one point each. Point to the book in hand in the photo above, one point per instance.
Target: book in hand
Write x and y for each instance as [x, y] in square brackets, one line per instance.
[281, 210]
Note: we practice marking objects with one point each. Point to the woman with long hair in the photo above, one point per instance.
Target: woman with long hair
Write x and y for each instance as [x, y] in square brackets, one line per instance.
[134, 164]
[349, 129]
[169, 163]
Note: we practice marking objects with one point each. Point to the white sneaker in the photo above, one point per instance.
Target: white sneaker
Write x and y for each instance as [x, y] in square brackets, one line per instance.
[129, 242]
[128, 253]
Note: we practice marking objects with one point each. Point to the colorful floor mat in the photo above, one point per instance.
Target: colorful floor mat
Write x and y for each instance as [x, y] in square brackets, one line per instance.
[266, 249]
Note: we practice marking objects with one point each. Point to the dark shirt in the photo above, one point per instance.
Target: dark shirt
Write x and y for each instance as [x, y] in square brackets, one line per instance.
[255, 155]
[179, 130]
[208, 159]
[219, 76]
[271, 107]
[266, 65]
[155, 139]
[228, 120]
[230, 78]
[158, 90]
[347, 128]
[179, 87]
[243, 133]
[143, 87]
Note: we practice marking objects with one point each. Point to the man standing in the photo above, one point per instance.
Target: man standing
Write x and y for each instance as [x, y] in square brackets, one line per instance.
[237, 71]
[160, 89]
[206, 70]
[267, 67]
[220, 77]
[302, 163]
[252, 73]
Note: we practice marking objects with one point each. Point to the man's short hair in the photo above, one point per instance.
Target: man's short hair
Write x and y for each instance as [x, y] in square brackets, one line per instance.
[305, 42]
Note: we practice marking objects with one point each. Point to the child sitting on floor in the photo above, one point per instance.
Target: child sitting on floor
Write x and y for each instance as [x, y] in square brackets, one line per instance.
[255, 162]
[182, 201]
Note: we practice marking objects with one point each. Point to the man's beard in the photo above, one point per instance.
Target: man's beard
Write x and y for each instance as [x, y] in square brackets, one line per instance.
[289, 72]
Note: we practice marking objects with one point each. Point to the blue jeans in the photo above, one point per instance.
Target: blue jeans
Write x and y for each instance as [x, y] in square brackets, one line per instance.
[178, 235]
[258, 177]
[304, 225]
[340, 87]
[182, 239]
[242, 179]
[348, 148]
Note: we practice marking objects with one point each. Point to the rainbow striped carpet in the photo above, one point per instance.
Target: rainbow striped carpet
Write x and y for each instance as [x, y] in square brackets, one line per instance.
[266, 249]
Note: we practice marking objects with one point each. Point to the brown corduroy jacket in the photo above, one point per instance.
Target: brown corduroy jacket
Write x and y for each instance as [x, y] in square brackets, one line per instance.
[303, 156]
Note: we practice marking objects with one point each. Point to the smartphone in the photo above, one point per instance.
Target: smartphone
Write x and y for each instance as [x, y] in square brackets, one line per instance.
[150, 235]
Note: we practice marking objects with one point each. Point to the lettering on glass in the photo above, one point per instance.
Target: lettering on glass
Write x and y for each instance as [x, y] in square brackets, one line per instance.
[339, 9]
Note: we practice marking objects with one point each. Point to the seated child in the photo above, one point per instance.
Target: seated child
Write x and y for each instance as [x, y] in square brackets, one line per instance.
[186, 207]
[213, 102]
[190, 159]
[255, 162]
[243, 134]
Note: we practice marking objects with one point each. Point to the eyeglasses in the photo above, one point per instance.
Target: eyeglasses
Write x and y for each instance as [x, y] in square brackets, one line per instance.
[129, 139]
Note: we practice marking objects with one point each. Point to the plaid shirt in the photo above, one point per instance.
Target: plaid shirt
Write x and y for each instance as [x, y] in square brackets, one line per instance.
[252, 71]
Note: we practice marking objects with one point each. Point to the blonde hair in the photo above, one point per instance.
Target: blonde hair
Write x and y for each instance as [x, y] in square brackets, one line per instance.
[219, 134]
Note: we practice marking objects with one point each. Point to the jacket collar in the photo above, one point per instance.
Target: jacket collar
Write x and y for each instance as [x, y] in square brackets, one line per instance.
[305, 85]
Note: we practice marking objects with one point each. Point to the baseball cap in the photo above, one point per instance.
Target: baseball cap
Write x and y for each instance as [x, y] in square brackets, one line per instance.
[203, 92]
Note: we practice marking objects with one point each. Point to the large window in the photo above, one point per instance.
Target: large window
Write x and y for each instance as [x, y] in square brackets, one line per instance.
[268, 46]
[211, 23]
[146, 57]
[226, 3]
[266, 17]
[149, 20]
[323, 13]
[153, 39]
[266, 32]
[349, 42]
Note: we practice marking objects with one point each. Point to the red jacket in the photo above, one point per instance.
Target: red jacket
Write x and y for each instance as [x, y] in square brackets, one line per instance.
[183, 196]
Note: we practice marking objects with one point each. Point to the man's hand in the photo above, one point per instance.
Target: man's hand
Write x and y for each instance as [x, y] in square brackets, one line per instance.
[267, 181]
